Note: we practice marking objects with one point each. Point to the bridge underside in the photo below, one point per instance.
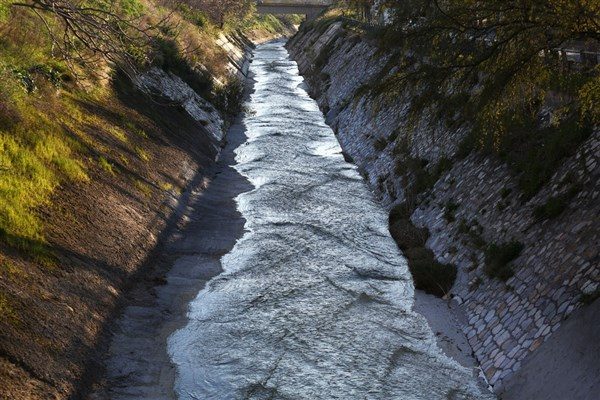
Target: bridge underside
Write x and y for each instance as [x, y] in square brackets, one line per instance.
[310, 11]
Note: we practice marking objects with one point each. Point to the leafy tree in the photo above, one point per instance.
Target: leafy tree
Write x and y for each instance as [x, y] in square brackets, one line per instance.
[361, 8]
[83, 31]
[222, 11]
[497, 61]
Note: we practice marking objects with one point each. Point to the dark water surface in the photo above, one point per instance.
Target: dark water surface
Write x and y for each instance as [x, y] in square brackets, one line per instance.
[315, 299]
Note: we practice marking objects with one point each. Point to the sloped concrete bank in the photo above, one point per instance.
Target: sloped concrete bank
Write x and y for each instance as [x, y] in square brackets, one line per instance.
[137, 363]
[506, 324]
[205, 225]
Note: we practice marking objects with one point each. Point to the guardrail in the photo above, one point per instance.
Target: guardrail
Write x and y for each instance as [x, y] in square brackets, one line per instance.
[580, 56]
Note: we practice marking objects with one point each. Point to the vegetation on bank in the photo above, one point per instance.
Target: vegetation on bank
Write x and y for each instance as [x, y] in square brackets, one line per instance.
[60, 60]
[498, 64]
[510, 72]
[498, 258]
[428, 274]
[501, 70]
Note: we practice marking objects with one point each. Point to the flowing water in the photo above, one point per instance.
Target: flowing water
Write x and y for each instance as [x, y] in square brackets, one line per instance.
[315, 301]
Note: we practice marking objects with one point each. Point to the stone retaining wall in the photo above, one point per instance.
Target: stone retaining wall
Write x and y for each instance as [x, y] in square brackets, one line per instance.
[560, 260]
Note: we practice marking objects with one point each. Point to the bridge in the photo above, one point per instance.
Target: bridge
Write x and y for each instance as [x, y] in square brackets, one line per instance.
[310, 8]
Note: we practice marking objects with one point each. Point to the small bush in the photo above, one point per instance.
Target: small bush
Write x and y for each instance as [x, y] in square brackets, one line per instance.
[8, 268]
[380, 144]
[230, 97]
[7, 312]
[474, 285]
[132, 8]
[474, 231]
[450, 210]
[194, 16]
[498, 258]
[477, 240]
[4, 10]
[589, 298]
[423, 178]
[463, 226]
[419, 253]
[428, 274]
[393, 136]
[534, 154]
[166, 186]
[445, 164]
[143, 187]
[400, 167]
[467, 145]
[402, 147]
[168, 55]
[9, 115]
[142, 154]
[324, 56]
[407, 235]
[554, 206]
[501, 206]
[551, 209]
[106, 165]
[400, 211]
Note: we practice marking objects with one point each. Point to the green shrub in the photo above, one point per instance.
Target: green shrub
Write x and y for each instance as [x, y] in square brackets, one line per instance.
[323, 57]
[229, 98]
[477, 240]
[399, 167]
[4, 10]
[132, 8]
[107, 166]
[407, 235]
[589, 298]
[505, 192]
[474, 230]
[7, 311]
[9, 114]
[463, 226]
[450, 210]
[194, 16]
[394, 135]
[423, 178]
[400, 211]
[498, 258]
[428, 274]
[534, 154]
[551, 209]
[554, 206]
[380, 144]
[419, 253]
[168, 56]
[501, 206]
[466, 146]
[402, 147]
[474, 285]
[443, 165]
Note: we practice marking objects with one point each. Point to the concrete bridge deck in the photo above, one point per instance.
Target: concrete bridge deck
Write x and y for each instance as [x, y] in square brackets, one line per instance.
[310, 8]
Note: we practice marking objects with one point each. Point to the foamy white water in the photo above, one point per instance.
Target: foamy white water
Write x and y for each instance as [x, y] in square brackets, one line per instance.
[315, 301]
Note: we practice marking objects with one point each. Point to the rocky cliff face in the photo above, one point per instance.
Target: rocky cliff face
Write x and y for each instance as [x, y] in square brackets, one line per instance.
[474, 204]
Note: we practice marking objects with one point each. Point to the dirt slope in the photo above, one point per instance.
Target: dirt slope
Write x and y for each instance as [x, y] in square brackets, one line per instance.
[103, 234]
